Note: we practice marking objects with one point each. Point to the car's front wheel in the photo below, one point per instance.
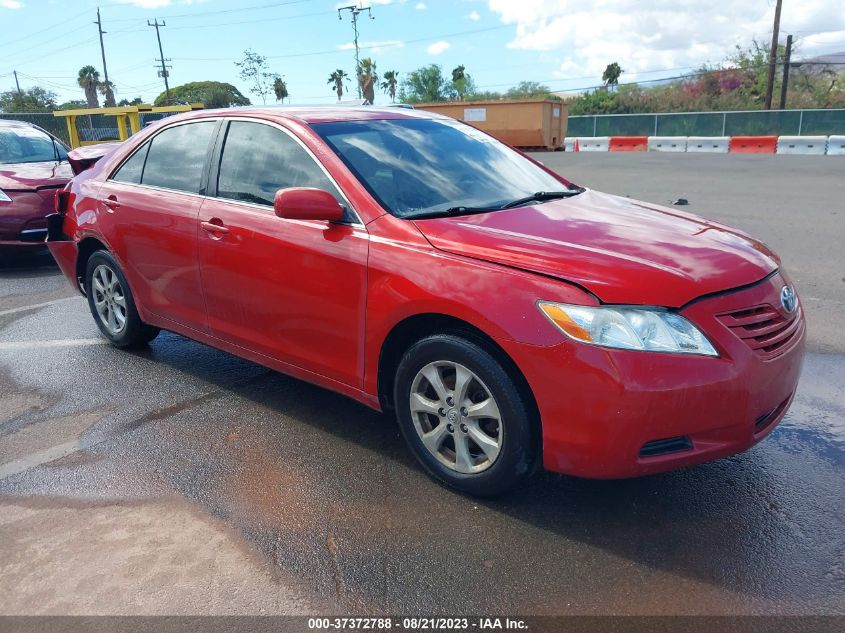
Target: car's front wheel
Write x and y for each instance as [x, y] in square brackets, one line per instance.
[462, 416]
[112, 304]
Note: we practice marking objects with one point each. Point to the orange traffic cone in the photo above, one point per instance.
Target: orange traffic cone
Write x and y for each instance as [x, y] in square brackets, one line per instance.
[576, 148]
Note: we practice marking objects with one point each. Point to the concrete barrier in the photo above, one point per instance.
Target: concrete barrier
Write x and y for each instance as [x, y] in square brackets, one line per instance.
[713, 144]
[628, 143]
[753, 144]
[802, 145]
[667, 143]
[836, 146]
[593, 143]
[569, 144]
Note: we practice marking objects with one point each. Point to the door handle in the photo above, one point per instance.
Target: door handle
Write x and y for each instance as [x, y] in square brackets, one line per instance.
[214, 225]
[111, 202]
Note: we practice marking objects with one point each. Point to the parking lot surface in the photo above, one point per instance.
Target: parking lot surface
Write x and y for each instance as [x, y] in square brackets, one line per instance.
[180, 479]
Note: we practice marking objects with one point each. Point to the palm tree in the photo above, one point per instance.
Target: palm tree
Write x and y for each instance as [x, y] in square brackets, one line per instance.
[367, 79]
[388, 86]
[106, 89]
[460, 81]
[337, 78]
[89, 81]
[611, 75]
[280, 88]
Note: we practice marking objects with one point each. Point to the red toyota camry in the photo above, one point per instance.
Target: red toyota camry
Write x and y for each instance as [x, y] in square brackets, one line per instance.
[33, 165]
[507, 316]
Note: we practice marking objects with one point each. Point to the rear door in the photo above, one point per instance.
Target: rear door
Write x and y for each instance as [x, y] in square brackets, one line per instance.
[293, 290]
[151, 203]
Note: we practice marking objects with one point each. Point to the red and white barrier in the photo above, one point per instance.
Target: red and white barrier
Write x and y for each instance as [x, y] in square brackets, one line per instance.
[753, 144]
[628, 143]
[836, 146]
[802, 145]
[667, 143]
[709, 144]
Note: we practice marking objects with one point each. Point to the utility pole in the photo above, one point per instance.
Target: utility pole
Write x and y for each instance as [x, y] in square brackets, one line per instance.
[785, 82]
[18, 85]
[99, 24]
[773, 56]
[355, 11]
[163, 71]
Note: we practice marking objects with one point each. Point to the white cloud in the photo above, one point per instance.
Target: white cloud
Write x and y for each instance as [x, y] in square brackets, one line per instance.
[421, 6]
[660, 34]
[372, 47]
[437, 47]
[11, 4]
[473, 15]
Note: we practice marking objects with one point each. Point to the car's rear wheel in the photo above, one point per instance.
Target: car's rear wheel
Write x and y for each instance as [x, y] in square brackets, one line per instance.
[462, 415]
[112, 304]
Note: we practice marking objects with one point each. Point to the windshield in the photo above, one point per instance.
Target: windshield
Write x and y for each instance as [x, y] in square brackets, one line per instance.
[419, 167]
[26, 145]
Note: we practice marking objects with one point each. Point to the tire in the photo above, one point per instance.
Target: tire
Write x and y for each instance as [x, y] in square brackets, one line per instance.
[112, 305]
[482, 469]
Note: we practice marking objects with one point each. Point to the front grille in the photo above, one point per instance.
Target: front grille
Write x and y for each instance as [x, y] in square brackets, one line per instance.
[763, 328]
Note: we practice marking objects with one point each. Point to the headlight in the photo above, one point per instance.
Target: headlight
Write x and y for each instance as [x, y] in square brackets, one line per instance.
[4, 197]
[646, 329]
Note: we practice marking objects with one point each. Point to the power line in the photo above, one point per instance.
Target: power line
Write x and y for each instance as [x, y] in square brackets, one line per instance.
[355, 11]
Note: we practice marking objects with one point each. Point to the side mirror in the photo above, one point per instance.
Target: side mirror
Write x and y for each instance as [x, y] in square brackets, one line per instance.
[306, 203]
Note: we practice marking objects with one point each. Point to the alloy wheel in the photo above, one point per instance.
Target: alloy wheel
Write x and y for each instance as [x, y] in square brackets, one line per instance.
[109, 299]
[456, 417]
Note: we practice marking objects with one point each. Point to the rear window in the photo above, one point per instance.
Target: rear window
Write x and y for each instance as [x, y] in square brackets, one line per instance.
[176, 157]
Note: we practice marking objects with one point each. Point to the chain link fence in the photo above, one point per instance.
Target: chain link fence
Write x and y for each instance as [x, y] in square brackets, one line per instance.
[748, 123]
[92, 127]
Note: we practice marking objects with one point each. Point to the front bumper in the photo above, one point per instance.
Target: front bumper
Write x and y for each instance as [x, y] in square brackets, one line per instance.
[604, 411]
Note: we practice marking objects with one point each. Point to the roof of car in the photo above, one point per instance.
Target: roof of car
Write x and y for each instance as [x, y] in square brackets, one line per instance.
[325, 114]
[15, 123]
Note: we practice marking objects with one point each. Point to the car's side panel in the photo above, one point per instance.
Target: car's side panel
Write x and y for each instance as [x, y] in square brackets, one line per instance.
[293, 290]
[153, 233]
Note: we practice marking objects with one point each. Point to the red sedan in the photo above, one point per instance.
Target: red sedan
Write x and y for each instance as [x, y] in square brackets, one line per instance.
[507, 317]
[33, 165]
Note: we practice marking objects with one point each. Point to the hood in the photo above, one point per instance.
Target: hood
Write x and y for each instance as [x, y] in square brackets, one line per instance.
[621, 250]
[32, 176]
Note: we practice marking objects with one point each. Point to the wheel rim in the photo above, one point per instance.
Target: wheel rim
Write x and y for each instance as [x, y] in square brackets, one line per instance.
[456, 417]
[109, 299]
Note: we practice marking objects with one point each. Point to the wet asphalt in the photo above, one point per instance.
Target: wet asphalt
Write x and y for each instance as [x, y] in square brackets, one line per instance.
[325, 504]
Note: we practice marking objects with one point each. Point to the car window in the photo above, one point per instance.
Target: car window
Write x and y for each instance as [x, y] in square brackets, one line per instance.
[176, 157]
[25, 145]
[132, 169]
[259, 159]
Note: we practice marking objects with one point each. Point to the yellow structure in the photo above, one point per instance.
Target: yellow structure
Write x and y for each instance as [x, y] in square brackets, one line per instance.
[128, 119]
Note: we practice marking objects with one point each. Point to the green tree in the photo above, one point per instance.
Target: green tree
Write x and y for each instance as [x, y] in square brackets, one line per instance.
[255, 71]
[89, 80]
[33, 99]
[106, 88]
[280, 88]
[135, 101]
[425, 85]
[73, 104]
[338, 78]
[214, 94]
[368, 79]
[390, 81]
[530, 90]
[611, 75]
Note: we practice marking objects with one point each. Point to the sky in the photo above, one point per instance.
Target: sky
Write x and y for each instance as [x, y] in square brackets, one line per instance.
[564, 44]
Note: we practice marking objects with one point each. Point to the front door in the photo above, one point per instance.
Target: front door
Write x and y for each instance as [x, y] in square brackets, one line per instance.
[293, 290]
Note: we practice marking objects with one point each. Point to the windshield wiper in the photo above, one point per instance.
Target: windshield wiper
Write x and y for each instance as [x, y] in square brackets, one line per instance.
[459, 210]
[540, 196]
